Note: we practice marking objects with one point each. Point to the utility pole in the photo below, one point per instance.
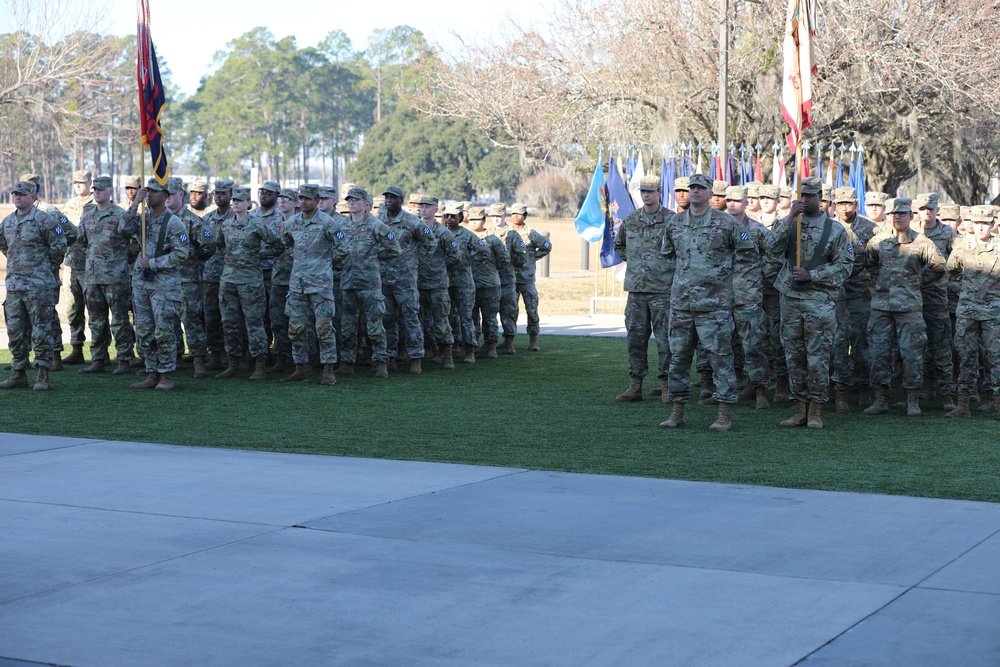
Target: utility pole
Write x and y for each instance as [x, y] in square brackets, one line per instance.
[723, 71]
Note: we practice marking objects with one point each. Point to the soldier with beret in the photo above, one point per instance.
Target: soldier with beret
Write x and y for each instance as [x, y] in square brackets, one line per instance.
[432, 279]
[486, 275]
[212, 273]
[536, 246]
[76, 261]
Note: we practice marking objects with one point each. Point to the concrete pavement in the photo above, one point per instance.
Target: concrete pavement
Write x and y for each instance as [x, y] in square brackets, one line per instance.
[118, 553]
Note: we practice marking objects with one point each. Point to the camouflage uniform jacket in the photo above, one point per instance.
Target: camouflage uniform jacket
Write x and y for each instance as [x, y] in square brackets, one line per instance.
[104, 245]
[768, 219]
[859, 285]
[487, 274]
[748, 281]
[370, 241]
[471, 250]
[34, 246]
[76, 258]
[535, 247]
[176, 248]
[936, 293]
[281, 271]
[412, 235]
[517, 250]
[273, 221]
[212, 270]
[827, 279]
[314, 244]
[203, 245]
[899, 270]
[435, 258]
[707, 251]
[241, 243]
[978, 266]
[639, 242]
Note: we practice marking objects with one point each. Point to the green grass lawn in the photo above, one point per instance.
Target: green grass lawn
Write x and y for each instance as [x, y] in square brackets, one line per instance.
[553, 410]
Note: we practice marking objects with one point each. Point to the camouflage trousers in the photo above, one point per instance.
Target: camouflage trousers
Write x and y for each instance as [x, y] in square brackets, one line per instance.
[268, 334]
[911, 334]
[938, 364]
[463, 299]
[402, 320]
[193, 318]
[976, 341]
[362, 307]
[435, 312]
[852, 362]
[57, 337]
[647, 314]
[156, 310]
[213, 316]
[807, 331]
[28, 315]
[242, 309]
[304, 309]
[751, 330]
[487, 307]
[775, 349]
[279, 320]
[102, 300]
[76, 313]
[508, 310]
[715, 331]
[530, 295]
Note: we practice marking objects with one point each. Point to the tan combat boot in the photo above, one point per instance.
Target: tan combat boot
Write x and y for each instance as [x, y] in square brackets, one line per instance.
[329, 375]
[124, 367]
[800, 418]
[633, 393]
[42, 383]
[508, 345]
[840, 398]
[75, 357]
[300, 374]
[416, 367]
[446, 358]
[166, 382]
[723, 422]
[707, 384]
[259, 368]
[962, 409]
[762, 403]
[280, 361]
[18, 380]
[232, 368]
[344, 369]
[880, 405]
[470, 355]
[96, 366]
[200, 370]
[947, 402]
[381, 371]
[748, 393]
[781, 389]
[57, 362]
[533, 343]
[676, 418]
[815, 415]
[989, 405]
[491, 350]
[913, 403]
[152, 379]
[864, 397]
[214, 361]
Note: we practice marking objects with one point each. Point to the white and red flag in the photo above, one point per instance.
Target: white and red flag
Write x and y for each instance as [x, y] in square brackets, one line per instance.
[800, 66]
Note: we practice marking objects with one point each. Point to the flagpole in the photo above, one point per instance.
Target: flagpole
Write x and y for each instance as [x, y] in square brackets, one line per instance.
[798, 163]
[142, 183]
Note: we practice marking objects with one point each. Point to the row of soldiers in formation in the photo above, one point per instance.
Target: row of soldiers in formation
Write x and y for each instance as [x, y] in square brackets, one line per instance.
[321, 285]
[911, 289]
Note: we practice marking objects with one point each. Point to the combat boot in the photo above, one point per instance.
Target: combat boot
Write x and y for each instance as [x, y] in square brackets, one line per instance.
[259, 368]
[329, 375]
[800, 418]
[446, 358]
[962, 409]
[707, 384]
[166, 382]
[815, 415]
[200, 370]
[391, 364]
[781, 390]
[864, 397]
[42, 383]
[96, 366]
[988, 406]
[880, 405]
[633, 393]
[18, 380]
[280, 360]
[57, 362]
[840, 398]
[470, 355]
[676, 418]
[152, 379]
[723, 422]
[416, 367]
[301, 373]
[533, 343]
[508, 345]
[947, 402]
[913, 403]
[344, 369]
[124, 367]
[748, 393]
[214, 361]
[762, 403]
[438, 353]
[491, 350]
[75, 357]
[232, 368]
[381, 371]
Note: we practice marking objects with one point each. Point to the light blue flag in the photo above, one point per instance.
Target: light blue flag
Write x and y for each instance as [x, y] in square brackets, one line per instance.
[859, 183]
[590, 220]
[668, 176]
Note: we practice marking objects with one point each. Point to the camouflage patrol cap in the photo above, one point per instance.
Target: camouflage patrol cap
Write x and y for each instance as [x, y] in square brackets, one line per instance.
[414, 198]
[949, 212]
[135, 182]
[845, 195]
[753, 190]
[964, 212]
[309, 191]
[719, 188]
[982, 214]
[810, 186]
[827, 193]
[24, 188]
[757, 183]
[225, 185]
[154, 185]
[455, 208]
[197, 186]
[429, 200]
[174, 185]
[327, 192]
[102, 183]
[682, 183]
[785, 191]
[477, 213]
[769, 192]
[394, 190]
[876, 198]
[926, 200]
[81, 176]
[357, 193]
[736, 193]
[701, 181]
[650, 183]
[271, 186]
[34, 178]
[241, 194]
[497, 209]
[289, 193]
[899, 205]
[517, 207]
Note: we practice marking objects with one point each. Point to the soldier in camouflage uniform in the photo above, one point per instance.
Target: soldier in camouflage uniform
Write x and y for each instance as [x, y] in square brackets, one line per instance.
[399, 281]
[753, 200]
[707, 248]
[198, 194]
[156, 283]
[535, 247]
[131, 185]
[244, 240]
[432, 279]
[315, 241]
[901, 263]
[875, 207]
[975, 259]
[76, 260]
[487, 278]
[461, 284]
[826, 203]
[369, 241]
[718, 200]
[851, 358]
[769, 205]
[268, 212]
[212, 272]
[281, 273]
[508, 275]
[809, 287]
[648, 274]
[203, 246]
[107, 279]
[938, 366]
[34, 244]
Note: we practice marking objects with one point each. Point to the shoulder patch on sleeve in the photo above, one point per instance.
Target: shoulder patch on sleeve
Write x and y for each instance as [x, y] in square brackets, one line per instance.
[58, 229]
[745, 236]
[63, 219]
[482, 242]
[183, 237]
[427, 230]
[340, 235]
[850, 248]
[208, 234]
